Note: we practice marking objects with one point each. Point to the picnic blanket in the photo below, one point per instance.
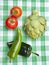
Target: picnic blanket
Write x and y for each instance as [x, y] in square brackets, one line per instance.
[40, 45]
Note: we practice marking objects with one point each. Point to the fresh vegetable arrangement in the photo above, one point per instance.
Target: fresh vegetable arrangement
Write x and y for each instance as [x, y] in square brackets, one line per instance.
[35, 25]
[25, 49]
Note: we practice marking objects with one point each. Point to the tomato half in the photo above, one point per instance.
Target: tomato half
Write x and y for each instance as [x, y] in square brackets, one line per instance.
[16, 11]
[11, 22]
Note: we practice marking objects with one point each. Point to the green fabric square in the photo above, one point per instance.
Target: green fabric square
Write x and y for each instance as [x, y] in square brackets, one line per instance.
[34, 59]
[24, 8]
[43, 58]
[5, 38]
[25, 38]
[5, 60]
[43, 48]
[5, 17]
[42, 38]
[24, 59]
[42, 45]
[42, 0]
[42, 9]
[5, 28]
[34, 48]
[5, 2]
[5, 7]
[5, 48]
[24, 0]
[33, 0]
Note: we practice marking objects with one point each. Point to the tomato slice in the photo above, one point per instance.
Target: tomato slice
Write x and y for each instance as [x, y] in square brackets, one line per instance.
[11, 22]
[16, 11]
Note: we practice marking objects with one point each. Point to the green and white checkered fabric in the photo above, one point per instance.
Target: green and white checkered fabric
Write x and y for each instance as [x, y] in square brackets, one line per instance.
[40, 45]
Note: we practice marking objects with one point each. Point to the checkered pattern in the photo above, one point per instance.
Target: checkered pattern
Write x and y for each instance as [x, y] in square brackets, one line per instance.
[40, 45]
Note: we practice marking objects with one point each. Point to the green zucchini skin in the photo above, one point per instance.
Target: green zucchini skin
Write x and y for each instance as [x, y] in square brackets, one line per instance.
[15, 48]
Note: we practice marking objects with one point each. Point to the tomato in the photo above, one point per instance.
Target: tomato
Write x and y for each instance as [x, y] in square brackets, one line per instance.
[16, 11]
[11, 22]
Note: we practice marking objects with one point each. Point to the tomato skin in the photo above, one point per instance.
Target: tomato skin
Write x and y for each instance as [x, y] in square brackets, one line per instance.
[11, 22]
[16, 11]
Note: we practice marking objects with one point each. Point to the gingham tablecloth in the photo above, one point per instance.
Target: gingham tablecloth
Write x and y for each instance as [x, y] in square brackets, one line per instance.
[40, 45]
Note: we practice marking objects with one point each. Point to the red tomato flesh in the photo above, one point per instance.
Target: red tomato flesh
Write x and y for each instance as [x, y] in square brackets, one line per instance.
[11, 22]
[16, 11]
